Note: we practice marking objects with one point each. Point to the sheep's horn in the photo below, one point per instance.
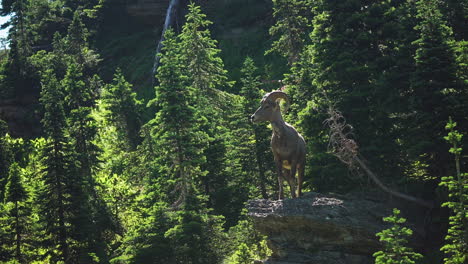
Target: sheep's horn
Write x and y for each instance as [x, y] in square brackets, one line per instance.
[275, 95]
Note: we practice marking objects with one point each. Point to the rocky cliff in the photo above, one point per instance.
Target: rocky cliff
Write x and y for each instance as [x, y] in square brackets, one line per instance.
[320, 229]
[21, 116]
[151, 12]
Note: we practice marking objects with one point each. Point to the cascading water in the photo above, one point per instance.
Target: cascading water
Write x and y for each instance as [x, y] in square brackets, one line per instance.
[170, 17]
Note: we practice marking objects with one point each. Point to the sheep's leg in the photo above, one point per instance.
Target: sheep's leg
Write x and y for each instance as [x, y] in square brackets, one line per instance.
[300, 179]
[279, 171]
[292, 179]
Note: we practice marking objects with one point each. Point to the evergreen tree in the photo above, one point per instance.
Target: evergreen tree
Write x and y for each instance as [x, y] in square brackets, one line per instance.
[456, 246]
[435, 94]
[77, 35]
[207, 77]
[16, 194]
[204, 65]
[58, 165]
[18, 70]
[122, 110]
[197, 236]
[291, 26]
[83, 130]
[63, 200]
[394, 240]
[148, 243]
[175, 127]
[5, 157]
[77, 93]
[179, 140]
[259, 134]
[358, 61]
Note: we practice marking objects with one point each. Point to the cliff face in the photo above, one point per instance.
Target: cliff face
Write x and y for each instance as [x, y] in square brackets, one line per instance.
[21, 116]
[150, 12]
[318, 229]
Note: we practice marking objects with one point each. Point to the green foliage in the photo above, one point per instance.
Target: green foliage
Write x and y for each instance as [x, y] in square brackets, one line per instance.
[147, 242]
[197, 236]
[434, 80]
[254, 140]
[456, 247]
[121, 108]
[99, 184]
[5, 157]
[291, 25]
[14, 191]
[17, 214]
[394, 242]
[175, 127]
[246, 243]
[205, 67]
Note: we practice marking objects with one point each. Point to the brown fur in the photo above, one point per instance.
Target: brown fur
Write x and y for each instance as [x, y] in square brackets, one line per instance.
[287, 145]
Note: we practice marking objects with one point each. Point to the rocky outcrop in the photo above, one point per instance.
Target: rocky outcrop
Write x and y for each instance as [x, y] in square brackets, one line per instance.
[21, 117]
[150, 12]
[320, 229]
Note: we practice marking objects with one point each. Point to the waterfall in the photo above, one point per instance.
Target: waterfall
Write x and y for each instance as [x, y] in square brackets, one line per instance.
[170, 17]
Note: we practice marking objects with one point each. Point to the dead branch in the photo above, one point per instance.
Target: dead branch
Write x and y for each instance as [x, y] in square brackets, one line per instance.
[346, 150]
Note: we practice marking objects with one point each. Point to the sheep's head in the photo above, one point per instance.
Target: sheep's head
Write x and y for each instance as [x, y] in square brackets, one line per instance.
[269, 108]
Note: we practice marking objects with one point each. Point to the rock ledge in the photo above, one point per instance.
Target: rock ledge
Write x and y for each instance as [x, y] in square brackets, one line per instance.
[320, 229]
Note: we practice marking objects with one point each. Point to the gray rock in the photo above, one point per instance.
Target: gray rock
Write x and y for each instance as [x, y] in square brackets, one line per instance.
[320, 229]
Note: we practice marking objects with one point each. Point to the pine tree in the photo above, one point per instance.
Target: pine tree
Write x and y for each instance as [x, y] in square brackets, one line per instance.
[435, 94]
[208, 78]
[175, 131]
[57, 163]
[291, 28]
[16, 194]
[61, 195]
[259, 134]
[83, 130]
[175, 127]
[456, 247]
[77, 93]
[122, 109]
[5, 157]
[77, 35]
[204, 65]
[148, 243]
[394, 240]
[358, 61]
[18, 70]
[197, 236]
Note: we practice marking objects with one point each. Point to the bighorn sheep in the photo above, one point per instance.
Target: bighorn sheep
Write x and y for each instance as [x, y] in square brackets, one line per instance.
[288, 146]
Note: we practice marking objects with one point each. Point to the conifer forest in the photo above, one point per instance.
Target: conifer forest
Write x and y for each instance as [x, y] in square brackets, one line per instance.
[125, 132]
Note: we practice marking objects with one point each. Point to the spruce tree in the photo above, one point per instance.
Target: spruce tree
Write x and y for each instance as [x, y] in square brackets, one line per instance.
[147, 243]
[207, 77]
[456, 246]
[435, 94]
[122, 109]
[350, 65]
[291, 27]
[16, 194]
[394, 242]
[77, 35]
[178, 138]
[259, 134]
[204, 65]
[63, 199]
[5, 157]
[175, 127]
[58, 166]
